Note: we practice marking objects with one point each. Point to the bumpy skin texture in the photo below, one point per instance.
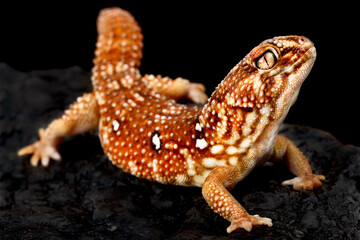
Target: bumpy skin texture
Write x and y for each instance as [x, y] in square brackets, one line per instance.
[146, 133]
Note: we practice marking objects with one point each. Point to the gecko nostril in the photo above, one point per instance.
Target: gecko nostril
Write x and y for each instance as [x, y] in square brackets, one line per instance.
[302, 40]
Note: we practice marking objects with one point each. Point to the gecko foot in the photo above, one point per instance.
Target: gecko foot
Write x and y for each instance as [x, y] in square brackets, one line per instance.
[197, 93]
[43, 150]
[305, 182]
[248, 222]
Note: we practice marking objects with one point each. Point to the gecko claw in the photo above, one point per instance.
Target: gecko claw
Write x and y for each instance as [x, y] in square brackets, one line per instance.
[197, 93]
[26, 150]
[41, 150]
[305, 183]
[248, 222]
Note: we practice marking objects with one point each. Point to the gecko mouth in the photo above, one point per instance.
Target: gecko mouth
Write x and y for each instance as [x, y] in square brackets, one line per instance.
[306, 61]
[302, 66]
[300, 69]
[309, 55]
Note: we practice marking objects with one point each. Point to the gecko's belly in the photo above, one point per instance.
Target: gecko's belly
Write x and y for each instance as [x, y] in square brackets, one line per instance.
[151, 140]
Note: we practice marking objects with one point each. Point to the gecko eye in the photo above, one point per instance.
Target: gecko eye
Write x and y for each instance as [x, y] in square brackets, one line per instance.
[266, 61]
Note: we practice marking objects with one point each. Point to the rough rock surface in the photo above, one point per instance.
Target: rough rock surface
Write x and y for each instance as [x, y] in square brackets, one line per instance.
[86, 197]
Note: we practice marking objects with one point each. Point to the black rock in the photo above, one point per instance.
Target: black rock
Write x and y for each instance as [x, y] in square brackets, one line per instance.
[86, 197]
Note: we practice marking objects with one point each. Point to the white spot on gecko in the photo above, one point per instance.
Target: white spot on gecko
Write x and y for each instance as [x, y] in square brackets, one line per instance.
[156, 142]
[115, 125]
[201, 143]
[217, 149]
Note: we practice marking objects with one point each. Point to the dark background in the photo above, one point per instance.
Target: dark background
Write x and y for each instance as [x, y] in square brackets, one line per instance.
[202, 42]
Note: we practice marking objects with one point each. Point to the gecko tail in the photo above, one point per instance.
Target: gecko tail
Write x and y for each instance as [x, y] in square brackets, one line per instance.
[119, 39]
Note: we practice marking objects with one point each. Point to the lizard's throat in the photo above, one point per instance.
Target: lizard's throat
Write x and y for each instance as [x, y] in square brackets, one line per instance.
[293, 84]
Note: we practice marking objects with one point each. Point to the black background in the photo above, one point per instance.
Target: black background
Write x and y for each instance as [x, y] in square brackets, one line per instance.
[202, 41]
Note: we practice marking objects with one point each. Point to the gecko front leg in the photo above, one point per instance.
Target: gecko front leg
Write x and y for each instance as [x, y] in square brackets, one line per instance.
[177, 88]
[285, 149]
[82, 116]
[215, 191]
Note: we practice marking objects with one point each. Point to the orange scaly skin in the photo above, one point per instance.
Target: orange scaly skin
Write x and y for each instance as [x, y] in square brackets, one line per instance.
[146, 133]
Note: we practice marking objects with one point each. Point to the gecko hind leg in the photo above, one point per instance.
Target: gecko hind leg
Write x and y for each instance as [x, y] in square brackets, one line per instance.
[82, 116]
[177, 88]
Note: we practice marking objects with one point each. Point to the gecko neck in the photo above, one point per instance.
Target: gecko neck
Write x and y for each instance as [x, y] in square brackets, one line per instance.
[235, 118]
[227, 124]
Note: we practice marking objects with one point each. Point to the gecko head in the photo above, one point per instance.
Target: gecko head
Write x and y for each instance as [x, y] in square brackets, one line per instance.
[270, 75]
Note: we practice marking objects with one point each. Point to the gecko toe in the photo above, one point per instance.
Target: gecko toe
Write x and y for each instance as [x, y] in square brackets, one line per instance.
[305, 182]
[35, 158]
[26, 150]
[248, 222]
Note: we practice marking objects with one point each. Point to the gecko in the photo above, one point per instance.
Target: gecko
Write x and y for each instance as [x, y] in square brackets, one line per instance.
[144, 130]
